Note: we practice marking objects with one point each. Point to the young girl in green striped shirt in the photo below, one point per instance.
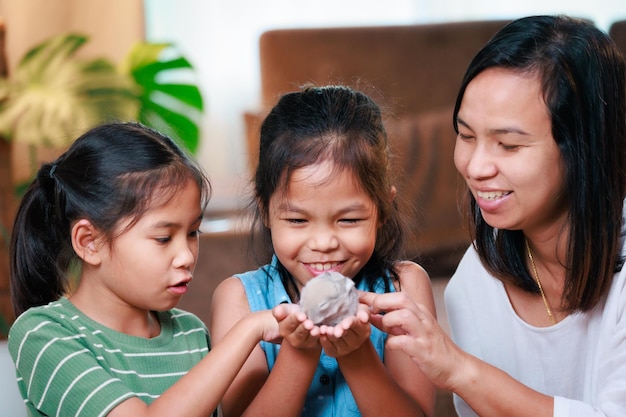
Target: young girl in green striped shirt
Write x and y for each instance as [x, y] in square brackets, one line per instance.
[122, 207]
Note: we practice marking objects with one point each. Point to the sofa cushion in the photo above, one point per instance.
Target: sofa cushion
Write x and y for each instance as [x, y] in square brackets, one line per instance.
[429, 188]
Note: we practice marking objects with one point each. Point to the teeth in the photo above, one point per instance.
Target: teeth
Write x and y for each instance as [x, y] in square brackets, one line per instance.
[491, 195]
[324, 267]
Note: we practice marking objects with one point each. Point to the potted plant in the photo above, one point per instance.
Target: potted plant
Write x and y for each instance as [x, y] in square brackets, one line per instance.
[53, 95]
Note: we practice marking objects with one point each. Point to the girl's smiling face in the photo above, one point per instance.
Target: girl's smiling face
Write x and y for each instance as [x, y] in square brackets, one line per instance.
[506, 152]
[323, 221]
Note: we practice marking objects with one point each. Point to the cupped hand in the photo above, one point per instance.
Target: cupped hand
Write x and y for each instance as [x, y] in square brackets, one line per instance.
[295, 327]
[417, 333]
[348, 335]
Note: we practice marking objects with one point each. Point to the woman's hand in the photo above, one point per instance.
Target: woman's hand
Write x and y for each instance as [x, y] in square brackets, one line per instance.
[348, 335]
[295, 327]
[416, 332]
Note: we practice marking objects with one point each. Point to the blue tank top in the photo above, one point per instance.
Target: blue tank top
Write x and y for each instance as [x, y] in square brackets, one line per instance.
[329, 394]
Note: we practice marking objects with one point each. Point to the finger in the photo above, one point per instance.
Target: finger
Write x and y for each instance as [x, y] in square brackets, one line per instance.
[283, 310]
[406, 321]
[315, 332]
[377, 321]
[404, 343]
[308, 324]
[363, 313]
[392, 301]
[401, 318]
[279, 312]
[366, 297]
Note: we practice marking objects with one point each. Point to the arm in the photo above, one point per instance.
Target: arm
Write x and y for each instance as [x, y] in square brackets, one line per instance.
[61, 369]
[396, 387]
[201, 389]
[256, 391]
[489, 391]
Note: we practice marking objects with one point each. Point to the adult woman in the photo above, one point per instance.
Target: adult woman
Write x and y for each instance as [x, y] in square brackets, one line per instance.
[536, 305]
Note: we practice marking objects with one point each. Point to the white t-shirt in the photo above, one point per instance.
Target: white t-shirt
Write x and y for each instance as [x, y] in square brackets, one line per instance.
[581, 361]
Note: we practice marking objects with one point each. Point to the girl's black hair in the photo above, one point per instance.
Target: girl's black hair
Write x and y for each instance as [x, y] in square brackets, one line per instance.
[333, 123]
[583, 80]
[111, 173]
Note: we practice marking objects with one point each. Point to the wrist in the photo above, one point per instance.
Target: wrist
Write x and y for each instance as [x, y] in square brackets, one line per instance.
[304, 350]
[362, 353]
[465, 375]
[264, 325]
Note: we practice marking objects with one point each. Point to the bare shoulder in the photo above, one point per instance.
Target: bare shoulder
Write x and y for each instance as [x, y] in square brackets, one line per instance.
[228, 304]
[228, 290]
[411, 274]
[415, 282]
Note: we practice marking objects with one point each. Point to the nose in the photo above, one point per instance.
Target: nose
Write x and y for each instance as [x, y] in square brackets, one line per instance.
[475, 161]
[186, 255]
[324, 239]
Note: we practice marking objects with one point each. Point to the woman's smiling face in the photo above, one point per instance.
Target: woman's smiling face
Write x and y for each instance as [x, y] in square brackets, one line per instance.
[506, 153]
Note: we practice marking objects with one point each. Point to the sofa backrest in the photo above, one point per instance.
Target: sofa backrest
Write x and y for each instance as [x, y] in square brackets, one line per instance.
[617, 31]
[418, 67]
[410, 68]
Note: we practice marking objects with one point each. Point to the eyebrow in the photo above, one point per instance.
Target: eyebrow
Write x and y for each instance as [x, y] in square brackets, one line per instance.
[286, 206]
[165, 224]
[498, 131]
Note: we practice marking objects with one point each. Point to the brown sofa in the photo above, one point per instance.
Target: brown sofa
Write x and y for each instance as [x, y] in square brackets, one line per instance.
[617, 31]
[414, 72]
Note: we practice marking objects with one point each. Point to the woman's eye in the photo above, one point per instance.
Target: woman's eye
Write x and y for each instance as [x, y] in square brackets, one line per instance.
[163, 239]
[509, 147]
[463, 136]
[195, 233]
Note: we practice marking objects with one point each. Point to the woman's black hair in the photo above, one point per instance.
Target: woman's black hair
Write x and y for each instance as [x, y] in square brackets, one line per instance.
[339, 124]
[583, 80]
[111, 173]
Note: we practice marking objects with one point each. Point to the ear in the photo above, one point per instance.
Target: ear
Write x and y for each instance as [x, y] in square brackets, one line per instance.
[85, 241]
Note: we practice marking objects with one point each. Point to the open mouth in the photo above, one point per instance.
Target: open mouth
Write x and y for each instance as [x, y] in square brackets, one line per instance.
[180, 288]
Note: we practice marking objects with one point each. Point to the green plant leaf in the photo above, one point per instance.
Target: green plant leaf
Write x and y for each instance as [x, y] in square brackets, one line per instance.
[52, 96]
[174, 123]
[172, 107]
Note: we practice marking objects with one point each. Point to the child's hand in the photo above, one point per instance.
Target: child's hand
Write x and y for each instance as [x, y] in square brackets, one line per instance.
[266, 325]
[295, 327]
[348, 335]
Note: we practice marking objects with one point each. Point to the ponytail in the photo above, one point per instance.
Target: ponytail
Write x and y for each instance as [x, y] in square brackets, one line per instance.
[40, 245]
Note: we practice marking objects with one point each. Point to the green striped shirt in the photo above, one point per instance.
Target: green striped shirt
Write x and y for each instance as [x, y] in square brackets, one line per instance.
[69, 365]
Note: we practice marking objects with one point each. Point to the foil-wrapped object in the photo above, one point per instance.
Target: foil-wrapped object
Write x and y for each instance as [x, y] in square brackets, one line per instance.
[329, 298]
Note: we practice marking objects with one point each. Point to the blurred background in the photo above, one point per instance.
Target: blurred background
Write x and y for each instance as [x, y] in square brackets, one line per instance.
[221, 38]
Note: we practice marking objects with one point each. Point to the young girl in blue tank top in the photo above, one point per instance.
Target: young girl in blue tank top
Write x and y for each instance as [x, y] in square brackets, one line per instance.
[324, 201]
